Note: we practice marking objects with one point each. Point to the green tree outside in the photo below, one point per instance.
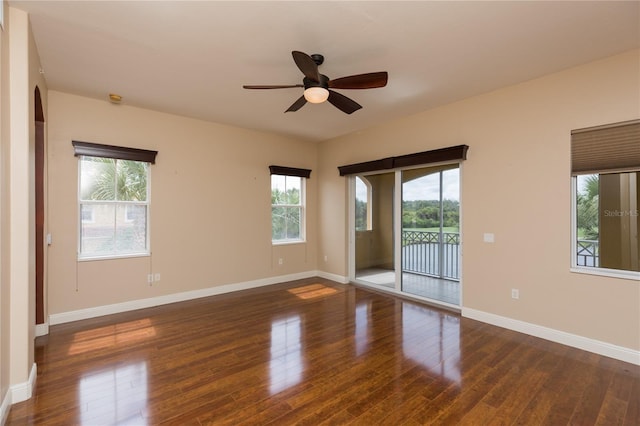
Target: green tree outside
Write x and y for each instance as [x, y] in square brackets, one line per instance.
[426, 214]
[286, 214]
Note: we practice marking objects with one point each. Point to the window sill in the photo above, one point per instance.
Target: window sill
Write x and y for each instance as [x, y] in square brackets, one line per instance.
[612, 273]
[287, 243]
[112, 257]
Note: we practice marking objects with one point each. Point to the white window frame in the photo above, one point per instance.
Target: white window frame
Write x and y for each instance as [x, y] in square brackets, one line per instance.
[301, 207]
[80, 221]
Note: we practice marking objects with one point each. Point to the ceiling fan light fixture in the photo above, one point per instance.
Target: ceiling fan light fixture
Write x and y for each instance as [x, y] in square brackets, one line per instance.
[316, 95]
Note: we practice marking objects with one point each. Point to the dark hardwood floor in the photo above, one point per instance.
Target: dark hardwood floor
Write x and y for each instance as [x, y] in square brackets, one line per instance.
[315, 352]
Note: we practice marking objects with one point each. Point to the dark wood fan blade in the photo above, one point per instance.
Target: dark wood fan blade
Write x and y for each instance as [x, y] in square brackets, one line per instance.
[343, 103]
[284, 86]
[297, 104]
[307, 65]
[370, 80]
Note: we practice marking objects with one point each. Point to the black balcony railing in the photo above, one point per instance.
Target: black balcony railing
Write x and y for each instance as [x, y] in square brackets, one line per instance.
[588, 253]
[423, 252]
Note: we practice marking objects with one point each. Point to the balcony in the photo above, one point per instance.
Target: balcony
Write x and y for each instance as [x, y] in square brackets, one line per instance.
[424, 253]
[425, 271]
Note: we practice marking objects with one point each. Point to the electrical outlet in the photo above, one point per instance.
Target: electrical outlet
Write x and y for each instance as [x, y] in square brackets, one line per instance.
[280, 261]
[150, 278]
[156, 277]
[515, 293]
[326, 258]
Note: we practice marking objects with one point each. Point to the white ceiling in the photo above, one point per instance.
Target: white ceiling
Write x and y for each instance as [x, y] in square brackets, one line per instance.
[192, 58]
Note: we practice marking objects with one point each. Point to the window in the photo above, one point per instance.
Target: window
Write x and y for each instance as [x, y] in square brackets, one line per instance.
[114, 207]
[288, 203]
[606, 191]
[287, 208]
[607, 221]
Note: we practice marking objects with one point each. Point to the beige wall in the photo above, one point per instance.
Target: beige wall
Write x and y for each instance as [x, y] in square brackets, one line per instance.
[19, 75]
[515, 184]
[20, 239]
[210, 219]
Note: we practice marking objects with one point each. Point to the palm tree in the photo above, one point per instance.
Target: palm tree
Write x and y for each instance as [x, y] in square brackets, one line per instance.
[588, 201]
[122, 180]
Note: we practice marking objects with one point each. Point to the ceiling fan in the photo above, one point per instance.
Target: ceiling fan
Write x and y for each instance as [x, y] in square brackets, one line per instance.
[317, 87]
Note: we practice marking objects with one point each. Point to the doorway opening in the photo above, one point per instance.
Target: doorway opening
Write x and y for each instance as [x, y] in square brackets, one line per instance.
[39, 205]
[406, 232]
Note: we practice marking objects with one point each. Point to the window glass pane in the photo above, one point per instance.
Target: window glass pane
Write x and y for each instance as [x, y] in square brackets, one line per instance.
[293, 190]
[421, 202]
[131, 229]
[132, 180]
[97, 236]
[278, 223]
[97, 178]
[293, 223]
[286, 190]
[278, 189]
[587, 216]
[588, 187]
[362, 197]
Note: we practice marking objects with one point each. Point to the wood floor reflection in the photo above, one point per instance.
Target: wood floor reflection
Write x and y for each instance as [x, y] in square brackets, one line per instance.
[316, 352]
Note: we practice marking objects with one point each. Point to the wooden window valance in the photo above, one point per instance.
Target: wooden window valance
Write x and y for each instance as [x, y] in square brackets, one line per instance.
[111, 151]
[290, 171]
[453, 153]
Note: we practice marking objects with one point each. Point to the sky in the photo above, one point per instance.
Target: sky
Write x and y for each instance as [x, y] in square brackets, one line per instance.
[425, 188]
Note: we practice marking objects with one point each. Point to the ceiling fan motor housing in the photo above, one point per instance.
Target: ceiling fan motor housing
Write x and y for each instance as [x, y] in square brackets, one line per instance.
[324, 82]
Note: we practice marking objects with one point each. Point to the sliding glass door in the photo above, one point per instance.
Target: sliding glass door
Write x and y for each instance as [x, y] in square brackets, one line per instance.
[431, 233]
[406, 232]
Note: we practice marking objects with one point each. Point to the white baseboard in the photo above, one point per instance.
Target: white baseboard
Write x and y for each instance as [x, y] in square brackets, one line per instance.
[23, 391]
[596, 346]
[5, 407]
[333, 277]
[42, 329]
[132, 305]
